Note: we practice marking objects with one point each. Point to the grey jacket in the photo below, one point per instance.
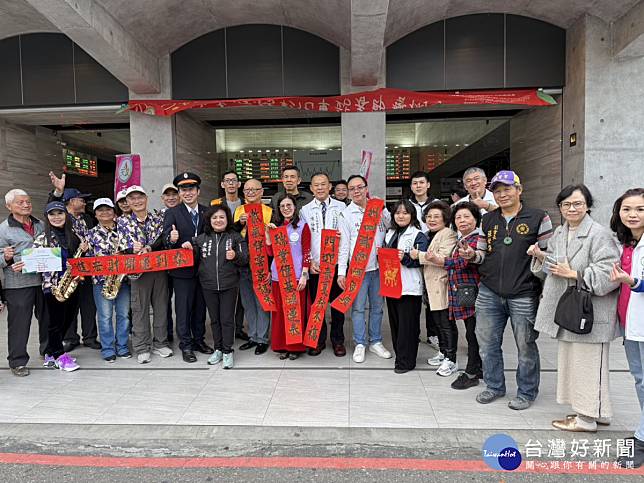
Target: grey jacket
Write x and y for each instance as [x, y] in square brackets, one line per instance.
[593, 250]
[13, 234]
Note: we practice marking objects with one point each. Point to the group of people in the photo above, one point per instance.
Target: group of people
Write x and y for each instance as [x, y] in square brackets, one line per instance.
[485, 259]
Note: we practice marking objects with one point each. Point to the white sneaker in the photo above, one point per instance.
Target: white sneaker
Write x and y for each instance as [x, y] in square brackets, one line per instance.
[447, 368]
[162, 351]
[228, 361]
[380, 350]
[143, 358]
[433, 342]
[437, 360]
[358, 353]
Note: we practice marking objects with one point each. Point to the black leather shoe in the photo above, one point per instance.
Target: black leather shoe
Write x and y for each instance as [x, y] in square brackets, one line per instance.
[248, 345]
[20, 371]
[317, 351]
[70, 345]
[241, 335]
[260, 349]
[203, 348]
[189, 356]
[92, 344]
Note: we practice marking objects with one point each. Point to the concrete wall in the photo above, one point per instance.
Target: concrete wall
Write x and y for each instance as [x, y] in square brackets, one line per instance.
[604, 104]
[535, 155]
[197, 152]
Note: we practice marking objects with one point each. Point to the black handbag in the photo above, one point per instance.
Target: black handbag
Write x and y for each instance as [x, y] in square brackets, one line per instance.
[466, 295]
[575, 308]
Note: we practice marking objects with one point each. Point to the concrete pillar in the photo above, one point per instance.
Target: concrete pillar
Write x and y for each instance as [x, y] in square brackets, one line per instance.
[602, 105]
[362, 131]
[154, 138]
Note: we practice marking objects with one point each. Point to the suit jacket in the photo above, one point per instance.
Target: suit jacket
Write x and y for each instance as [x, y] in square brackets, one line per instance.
[180, 217]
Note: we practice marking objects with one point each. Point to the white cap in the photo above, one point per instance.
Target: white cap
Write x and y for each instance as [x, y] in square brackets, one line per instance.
[168, 186]
[121, 195]
[135, 188]
[103, 202]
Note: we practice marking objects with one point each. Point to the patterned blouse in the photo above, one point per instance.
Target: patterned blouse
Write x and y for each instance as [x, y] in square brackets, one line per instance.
[147, 232]
[104, 242]
[460, 271]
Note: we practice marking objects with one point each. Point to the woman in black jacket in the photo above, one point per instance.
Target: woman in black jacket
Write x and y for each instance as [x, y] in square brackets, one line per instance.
[220, 252]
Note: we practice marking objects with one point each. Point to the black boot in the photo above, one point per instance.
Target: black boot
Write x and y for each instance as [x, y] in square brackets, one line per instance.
[638, 456]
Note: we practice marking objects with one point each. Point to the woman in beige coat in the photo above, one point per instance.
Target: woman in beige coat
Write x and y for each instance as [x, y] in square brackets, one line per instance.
[442, 243]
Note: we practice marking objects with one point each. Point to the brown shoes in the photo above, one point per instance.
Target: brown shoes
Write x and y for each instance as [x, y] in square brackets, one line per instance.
[339, 350]
[573, 425]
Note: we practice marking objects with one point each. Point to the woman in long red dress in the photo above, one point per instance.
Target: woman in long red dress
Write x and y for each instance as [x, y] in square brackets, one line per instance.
[299, 237]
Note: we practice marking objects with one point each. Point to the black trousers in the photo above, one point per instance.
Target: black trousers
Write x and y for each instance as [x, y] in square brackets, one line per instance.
[61, 317]
[239, 313]
[447, 333]
[337, 317]
[404, 320]
[430, 325]
[170, 322]
[190, 312]
[221, 308]
[87, 307]
[22, 305]
[474, 364]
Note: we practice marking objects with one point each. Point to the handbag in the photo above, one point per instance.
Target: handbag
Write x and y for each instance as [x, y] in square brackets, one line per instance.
[575, 308]
[466, 294]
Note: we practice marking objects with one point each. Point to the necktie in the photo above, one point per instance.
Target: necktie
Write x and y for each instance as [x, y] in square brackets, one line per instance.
[195, 219]
[323, 213]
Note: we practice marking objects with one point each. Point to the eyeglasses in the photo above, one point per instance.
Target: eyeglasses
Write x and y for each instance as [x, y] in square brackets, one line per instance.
[252, 190]
[357, 188]
[229, 181]
[566, 205]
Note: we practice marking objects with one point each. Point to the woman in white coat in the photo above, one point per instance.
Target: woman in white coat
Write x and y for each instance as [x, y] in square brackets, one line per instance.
[628, 223]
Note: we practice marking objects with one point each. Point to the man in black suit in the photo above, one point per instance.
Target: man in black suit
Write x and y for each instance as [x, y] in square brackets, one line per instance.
[181, 224]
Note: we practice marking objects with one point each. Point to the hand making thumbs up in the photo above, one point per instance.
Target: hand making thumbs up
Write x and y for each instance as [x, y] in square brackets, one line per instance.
[174, 235]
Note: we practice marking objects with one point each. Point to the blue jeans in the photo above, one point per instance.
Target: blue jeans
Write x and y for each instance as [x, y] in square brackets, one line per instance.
[112, 343]
[492, 313]
[369, 290]
[635, 356]
[259, 321]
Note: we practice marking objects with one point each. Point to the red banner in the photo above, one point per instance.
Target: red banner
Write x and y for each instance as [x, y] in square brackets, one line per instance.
[390, 277]
[130, 264]
[329, 248]
[361, 253]
[258, 258]
[288, 285]
[384, 99]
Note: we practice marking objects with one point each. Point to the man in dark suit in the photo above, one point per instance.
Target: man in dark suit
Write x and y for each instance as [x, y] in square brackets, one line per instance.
[181, 224]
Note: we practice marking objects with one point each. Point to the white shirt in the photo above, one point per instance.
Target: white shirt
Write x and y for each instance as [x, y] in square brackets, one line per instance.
[349, 225]
[489, 197]
[311, 213]
[419, 211]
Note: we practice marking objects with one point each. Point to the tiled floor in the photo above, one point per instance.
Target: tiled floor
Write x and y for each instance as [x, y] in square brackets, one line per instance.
[262, 390]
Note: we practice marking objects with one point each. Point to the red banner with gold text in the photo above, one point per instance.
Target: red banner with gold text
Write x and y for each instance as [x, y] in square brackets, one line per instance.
[384, 99]
[390, 277]
[288, 285]
[258, 258]
[329, 248]
[129, 264]
[361, 252]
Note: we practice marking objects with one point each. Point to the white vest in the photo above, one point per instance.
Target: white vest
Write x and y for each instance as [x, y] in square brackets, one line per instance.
[635, 313]
[412, 278]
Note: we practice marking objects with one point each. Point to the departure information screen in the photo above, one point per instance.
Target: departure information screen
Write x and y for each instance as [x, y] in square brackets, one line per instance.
[80, 163]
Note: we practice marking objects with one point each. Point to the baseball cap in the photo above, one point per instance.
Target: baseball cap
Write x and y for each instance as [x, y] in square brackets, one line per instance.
[71, 193]
[168, 186]
[121, 195]
[55, 205]
[103, 202]
[135, 188]
[506, 177]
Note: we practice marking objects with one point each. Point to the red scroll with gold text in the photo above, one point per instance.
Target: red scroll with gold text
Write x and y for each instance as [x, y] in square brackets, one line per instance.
[288, 285]
[361, 253]
[258, 258]
[390, 277]
[328, 260]
[129, 264]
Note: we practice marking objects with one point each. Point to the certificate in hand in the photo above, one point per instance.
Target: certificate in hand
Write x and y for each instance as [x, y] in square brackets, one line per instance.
[42, 260]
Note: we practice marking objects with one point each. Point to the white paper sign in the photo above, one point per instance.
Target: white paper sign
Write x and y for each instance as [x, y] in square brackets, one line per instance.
[42, 260]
